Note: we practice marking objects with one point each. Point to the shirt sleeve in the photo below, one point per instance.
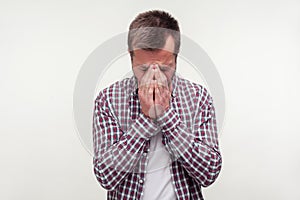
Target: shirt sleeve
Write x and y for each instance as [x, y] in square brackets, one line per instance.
[195, 147]
[116, 153]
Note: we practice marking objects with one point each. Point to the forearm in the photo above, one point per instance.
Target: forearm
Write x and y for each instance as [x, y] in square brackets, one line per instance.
[201, 161]
[113, 162]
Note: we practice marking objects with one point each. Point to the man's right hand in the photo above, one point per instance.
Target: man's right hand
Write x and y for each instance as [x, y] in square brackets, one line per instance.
[146, 93]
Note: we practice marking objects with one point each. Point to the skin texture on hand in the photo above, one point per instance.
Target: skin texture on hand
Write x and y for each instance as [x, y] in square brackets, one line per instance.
[154, 92]
[146, 93]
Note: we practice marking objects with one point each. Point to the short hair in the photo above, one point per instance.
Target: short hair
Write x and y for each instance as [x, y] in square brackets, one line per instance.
[150, 29]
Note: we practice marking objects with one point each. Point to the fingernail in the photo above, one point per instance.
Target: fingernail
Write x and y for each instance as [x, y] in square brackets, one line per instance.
[154, 66]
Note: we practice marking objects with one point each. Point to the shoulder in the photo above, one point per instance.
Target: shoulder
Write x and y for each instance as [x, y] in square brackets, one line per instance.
[195, 91]
[118, 89]
[192, 88]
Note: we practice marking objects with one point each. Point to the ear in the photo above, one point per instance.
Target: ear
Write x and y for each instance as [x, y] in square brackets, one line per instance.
[175, 57]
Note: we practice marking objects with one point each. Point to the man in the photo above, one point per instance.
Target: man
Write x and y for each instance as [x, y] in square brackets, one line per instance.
[155, 134]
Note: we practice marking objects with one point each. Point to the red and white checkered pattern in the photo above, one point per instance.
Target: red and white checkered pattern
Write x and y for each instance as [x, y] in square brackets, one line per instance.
[121, 138]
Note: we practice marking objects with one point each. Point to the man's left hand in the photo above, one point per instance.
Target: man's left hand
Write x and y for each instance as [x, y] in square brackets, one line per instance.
[162, 93]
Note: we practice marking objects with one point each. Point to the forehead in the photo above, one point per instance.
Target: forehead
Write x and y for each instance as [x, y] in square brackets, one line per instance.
[153, 56]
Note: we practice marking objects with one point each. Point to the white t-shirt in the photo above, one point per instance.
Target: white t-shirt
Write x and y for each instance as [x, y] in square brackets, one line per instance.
[158, 181]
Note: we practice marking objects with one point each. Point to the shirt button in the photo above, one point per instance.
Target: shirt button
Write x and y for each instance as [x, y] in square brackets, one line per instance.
[141, 181]
[144, 154]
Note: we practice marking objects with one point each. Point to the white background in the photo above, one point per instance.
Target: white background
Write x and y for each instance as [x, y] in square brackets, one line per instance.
[254, 44]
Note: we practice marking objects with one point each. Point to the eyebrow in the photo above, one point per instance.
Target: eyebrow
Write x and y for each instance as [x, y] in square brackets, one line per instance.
[162, 65]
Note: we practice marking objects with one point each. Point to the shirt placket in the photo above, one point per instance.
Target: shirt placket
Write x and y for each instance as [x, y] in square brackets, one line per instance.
[134, 110]
[141, 176]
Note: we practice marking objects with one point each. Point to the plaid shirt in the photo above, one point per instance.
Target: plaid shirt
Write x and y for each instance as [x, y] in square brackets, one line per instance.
[121, 138]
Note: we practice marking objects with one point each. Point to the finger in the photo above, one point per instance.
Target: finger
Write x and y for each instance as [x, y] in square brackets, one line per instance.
[148, 76]
[162, 79]
[157, 94]
[166, 96]
[142, 92]
[151, 91]
[162, 76]
[154, 66]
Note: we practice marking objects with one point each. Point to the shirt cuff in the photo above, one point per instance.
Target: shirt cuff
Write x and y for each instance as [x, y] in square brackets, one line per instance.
[169, 120]
[144, 127]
